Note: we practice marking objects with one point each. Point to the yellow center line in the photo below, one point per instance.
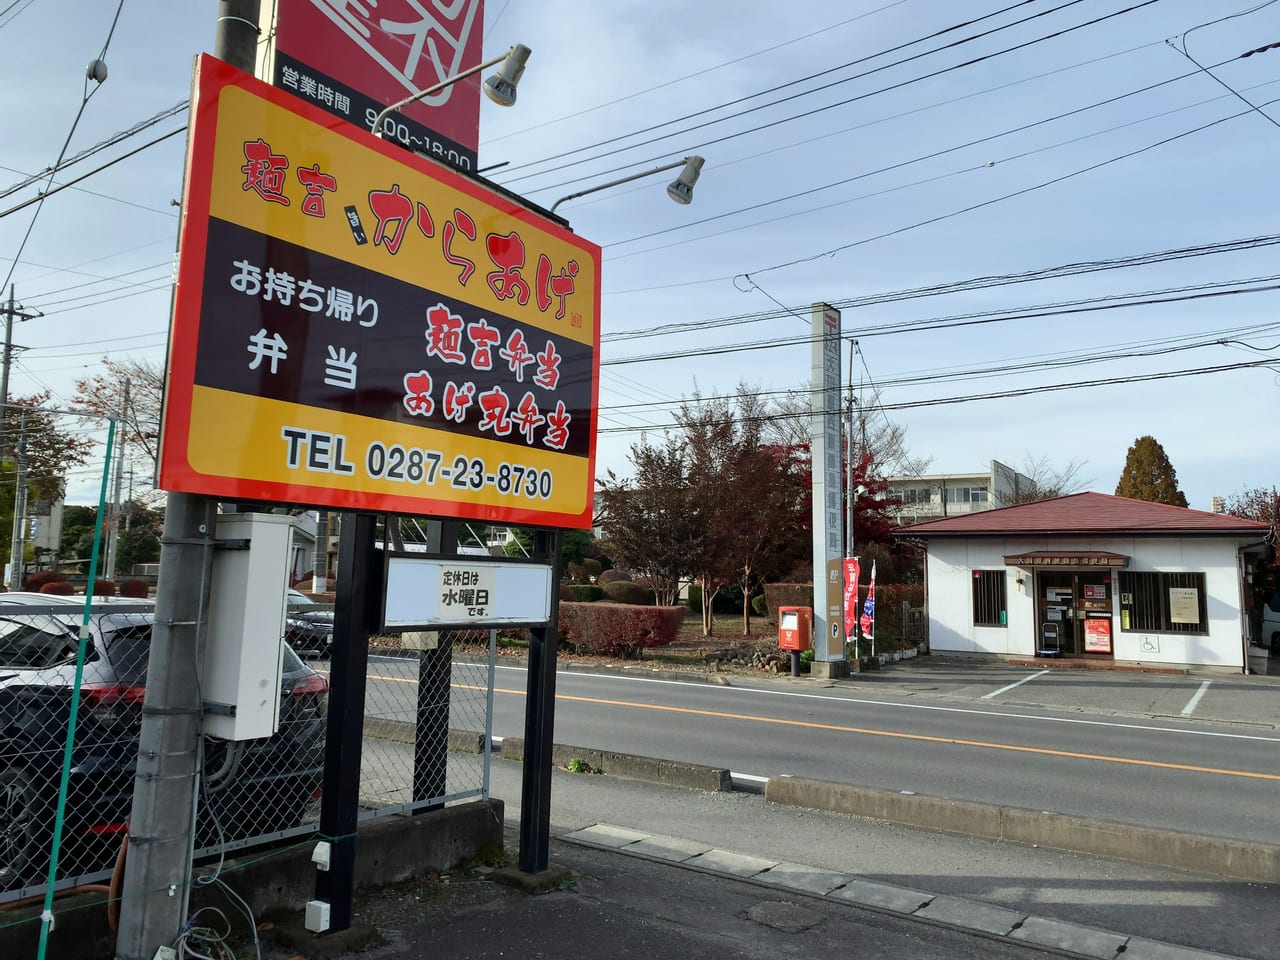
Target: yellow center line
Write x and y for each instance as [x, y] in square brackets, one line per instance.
[865, 731]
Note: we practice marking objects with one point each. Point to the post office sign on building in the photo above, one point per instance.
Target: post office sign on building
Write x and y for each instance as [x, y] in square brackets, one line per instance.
[358, 328]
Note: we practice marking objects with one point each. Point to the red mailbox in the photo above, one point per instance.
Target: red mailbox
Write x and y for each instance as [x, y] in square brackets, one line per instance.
[795, 628]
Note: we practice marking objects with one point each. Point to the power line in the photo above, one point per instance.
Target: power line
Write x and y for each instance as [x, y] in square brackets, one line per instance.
[784, 86]
[920, 159]
[994, 200]
[916, 326]
[818, 110]
[697, 73]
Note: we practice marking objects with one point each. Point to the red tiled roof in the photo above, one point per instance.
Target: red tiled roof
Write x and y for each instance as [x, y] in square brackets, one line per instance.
[1086, 513]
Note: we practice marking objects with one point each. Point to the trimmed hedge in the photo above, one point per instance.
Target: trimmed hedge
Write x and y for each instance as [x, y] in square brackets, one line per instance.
[624, 591]
[35, 581]
[59, 588]
[586, 592]
[787, 595]
[133, 587]
[104, 588]
[613, 575]
[617, 629]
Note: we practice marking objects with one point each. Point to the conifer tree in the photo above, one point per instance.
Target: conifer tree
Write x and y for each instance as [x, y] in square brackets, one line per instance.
[1148, 475]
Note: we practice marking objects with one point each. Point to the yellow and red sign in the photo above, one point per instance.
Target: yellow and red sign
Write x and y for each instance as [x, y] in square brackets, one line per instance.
[361, 329]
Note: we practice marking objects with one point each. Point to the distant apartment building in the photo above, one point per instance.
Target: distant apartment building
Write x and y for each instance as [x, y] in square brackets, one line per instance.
[935, 495]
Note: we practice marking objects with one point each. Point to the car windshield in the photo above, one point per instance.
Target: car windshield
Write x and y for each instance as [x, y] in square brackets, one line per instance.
[295, 598]
[35, 643]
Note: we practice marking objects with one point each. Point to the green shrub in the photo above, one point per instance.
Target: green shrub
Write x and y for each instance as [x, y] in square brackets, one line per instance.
[624, 591]
[586, 592]
[617, 629]
[759, 606]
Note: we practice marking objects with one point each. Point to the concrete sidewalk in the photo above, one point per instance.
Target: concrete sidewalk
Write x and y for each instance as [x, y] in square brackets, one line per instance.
[641, 895]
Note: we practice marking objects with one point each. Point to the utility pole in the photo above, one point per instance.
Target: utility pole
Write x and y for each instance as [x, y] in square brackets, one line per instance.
[11, 311]
[19, 510]
[115, 497]
[157, 880]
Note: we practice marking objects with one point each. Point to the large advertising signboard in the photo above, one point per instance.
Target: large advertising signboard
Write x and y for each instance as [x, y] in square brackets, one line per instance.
[357, 328]
[354, 58]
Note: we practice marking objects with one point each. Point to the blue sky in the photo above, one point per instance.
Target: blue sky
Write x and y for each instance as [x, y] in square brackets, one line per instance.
[874, 191]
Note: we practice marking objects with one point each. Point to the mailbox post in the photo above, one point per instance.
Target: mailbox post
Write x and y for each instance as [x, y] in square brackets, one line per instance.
[795, 633]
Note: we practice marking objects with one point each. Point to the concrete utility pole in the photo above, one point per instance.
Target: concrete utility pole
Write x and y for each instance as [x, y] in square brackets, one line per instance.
[115, 498]
[158, 873]
[19, 510]
[11, 310]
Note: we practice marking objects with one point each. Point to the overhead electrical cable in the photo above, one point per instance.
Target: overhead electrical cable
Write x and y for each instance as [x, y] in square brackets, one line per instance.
[1000, 199]
[963, 286]
[1006, 394]
[809, 113]
[944, 152]
[697, 73]
[915, 326]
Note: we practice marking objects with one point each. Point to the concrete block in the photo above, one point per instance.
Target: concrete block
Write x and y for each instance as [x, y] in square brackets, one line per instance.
[883, 895]
[607, 835]
[971, 913]
[736, 864]
[1139, 949]
[1259, 862]
[1071, 937]
[631, 766]
[667, 848]
[800, 877]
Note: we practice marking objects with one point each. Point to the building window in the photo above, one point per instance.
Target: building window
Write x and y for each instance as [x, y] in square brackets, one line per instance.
[966, 494]
[1163, 602]
[989, 598]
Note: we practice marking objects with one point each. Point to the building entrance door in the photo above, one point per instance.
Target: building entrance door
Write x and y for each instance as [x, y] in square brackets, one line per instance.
[1073, 613]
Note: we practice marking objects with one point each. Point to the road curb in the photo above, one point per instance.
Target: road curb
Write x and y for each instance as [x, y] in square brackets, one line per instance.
[1258, 862]
[670, 773]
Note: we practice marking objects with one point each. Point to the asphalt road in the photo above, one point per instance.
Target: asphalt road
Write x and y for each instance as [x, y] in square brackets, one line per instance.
[1080, 754]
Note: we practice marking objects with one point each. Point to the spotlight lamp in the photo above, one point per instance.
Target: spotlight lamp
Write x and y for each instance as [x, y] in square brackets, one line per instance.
[500, 88]
[680, 189]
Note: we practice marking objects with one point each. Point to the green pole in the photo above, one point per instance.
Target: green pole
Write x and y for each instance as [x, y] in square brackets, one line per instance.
[46, 917]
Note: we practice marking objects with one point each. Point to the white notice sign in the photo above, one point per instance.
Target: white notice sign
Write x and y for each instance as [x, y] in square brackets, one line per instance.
[1184, 605]
[427, 593]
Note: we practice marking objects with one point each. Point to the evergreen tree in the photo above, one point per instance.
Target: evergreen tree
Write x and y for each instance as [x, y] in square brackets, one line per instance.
[1148, 475]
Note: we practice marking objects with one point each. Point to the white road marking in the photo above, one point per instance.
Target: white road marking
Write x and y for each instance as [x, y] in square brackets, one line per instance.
[838, 697]
[1006, 689]
[1194, 702]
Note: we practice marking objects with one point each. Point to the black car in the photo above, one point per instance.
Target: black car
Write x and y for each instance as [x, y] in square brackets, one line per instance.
[251, 788]
[308, 625]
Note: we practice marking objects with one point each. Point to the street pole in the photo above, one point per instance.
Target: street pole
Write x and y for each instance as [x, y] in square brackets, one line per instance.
[157, 880]
[115, 497]
[19, 509]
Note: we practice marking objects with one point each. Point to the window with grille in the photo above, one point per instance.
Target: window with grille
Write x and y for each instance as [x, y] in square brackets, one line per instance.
[1163, 602]
[989, 598]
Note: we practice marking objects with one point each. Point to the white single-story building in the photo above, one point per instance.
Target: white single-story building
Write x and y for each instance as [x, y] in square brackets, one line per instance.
[1092, 576]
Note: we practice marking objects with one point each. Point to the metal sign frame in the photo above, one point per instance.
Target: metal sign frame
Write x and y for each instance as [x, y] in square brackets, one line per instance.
[534, 578]
[361, 329]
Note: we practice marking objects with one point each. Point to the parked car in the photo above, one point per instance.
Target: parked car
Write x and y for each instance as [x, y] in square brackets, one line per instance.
[1271, 623]
[308, 625]
[256, 787]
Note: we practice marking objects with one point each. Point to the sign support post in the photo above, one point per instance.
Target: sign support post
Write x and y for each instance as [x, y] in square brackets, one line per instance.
[435, 672]
[359, 577]
[539, 718]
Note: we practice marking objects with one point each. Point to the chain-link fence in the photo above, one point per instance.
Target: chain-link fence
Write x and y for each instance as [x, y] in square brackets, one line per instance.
[250, 792]
[442, 685]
